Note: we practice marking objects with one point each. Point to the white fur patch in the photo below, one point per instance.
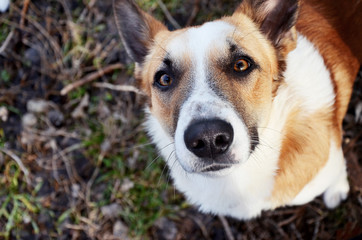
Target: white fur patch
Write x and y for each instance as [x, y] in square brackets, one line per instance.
[308, 77]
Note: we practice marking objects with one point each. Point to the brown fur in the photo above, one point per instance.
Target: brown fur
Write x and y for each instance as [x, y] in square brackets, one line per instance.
[337, 56]
[303, 152]
[164, 107]
[346, 18]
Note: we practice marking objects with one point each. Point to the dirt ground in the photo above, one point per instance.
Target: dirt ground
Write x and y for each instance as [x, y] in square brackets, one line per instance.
[75, 162]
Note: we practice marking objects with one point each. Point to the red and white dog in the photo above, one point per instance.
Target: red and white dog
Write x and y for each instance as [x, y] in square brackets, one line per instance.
[247, 110]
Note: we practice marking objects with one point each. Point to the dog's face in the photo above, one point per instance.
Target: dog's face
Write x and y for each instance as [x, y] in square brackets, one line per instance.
[210, 87]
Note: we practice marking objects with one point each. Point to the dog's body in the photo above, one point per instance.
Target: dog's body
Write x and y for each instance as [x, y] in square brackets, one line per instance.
[246, 110]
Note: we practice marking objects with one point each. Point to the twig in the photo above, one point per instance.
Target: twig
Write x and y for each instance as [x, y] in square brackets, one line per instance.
[85, 11]
[277, 227]
[90, 77]
[69, 167]
[122, 88]
[19, 162]
[23, 13]
[287, 221]
[92, 179]
[6, 43]
[89, 223]
[296, 232]
[54, 45]
[54, 165]
[194, 12]
[226, 226]
[75, 227]
[202, 227]
[168, 15]
[316, 229]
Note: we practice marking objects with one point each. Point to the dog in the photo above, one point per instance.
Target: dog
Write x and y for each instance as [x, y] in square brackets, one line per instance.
[246, 110]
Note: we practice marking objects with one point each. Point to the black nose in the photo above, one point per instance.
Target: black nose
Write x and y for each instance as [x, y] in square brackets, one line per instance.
[209, 138]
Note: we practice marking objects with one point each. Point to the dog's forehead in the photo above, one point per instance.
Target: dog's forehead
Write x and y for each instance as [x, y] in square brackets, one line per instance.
[197, 42]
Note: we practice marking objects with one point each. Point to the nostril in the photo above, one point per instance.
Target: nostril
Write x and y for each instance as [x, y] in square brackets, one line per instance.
[222, 140]
[198, 144]
[221, 143]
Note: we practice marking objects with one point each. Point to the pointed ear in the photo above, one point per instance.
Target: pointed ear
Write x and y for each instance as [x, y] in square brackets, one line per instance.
[136, 28]
[276, 18]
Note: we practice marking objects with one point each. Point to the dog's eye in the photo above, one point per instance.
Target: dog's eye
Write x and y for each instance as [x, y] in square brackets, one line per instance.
[241, 65]
[164, 80]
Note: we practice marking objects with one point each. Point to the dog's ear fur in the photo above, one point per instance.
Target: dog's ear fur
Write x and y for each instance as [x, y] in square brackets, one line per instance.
[136, 28]
[276, 18]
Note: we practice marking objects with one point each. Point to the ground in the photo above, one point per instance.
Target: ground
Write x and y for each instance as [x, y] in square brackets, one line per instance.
[75, 162]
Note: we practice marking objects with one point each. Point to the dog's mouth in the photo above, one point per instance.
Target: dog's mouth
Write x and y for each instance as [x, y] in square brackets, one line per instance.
[214, 168]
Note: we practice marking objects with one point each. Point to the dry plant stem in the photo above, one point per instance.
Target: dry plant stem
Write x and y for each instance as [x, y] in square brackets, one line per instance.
[90, 77]
[54, 165]
[54, 45]
[287, 221]
[168, 14]
[194, 12]
[202, 227]
[226, 226]
[92, 179]
[6, 43]
[19, 162]
[121, 88]
[277, 227]
[23, 13]
[296, 232]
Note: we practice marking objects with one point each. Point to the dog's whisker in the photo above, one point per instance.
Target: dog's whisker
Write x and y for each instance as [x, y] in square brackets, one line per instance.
[170, 168]
[165, 167]
[261, 142]
[159, 154]
[137, 146]
[153, 161]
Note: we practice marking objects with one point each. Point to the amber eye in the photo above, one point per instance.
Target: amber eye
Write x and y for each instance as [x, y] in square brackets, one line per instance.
[241, 65]
[164, 80]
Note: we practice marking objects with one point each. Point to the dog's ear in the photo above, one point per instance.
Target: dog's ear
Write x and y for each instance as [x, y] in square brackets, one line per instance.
[276, 18]
[136, 28]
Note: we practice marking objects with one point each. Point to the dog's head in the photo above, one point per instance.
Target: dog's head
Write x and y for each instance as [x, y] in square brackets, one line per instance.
[210, 87]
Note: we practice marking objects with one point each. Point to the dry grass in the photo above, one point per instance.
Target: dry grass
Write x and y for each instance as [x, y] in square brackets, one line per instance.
[75, 162]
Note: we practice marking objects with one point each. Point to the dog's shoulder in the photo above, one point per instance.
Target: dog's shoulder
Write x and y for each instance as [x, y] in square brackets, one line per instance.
[338, 58]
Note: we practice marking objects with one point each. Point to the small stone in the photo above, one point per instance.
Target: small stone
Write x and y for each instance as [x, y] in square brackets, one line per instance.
[75, 190]
[126, 185]
[359, 112]
[4, 113]
[105, 146]
[32, 55]
[56, 117]
[166, 229]
[120, 230]
[111, 211]
[37, 106]
[29, 120]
